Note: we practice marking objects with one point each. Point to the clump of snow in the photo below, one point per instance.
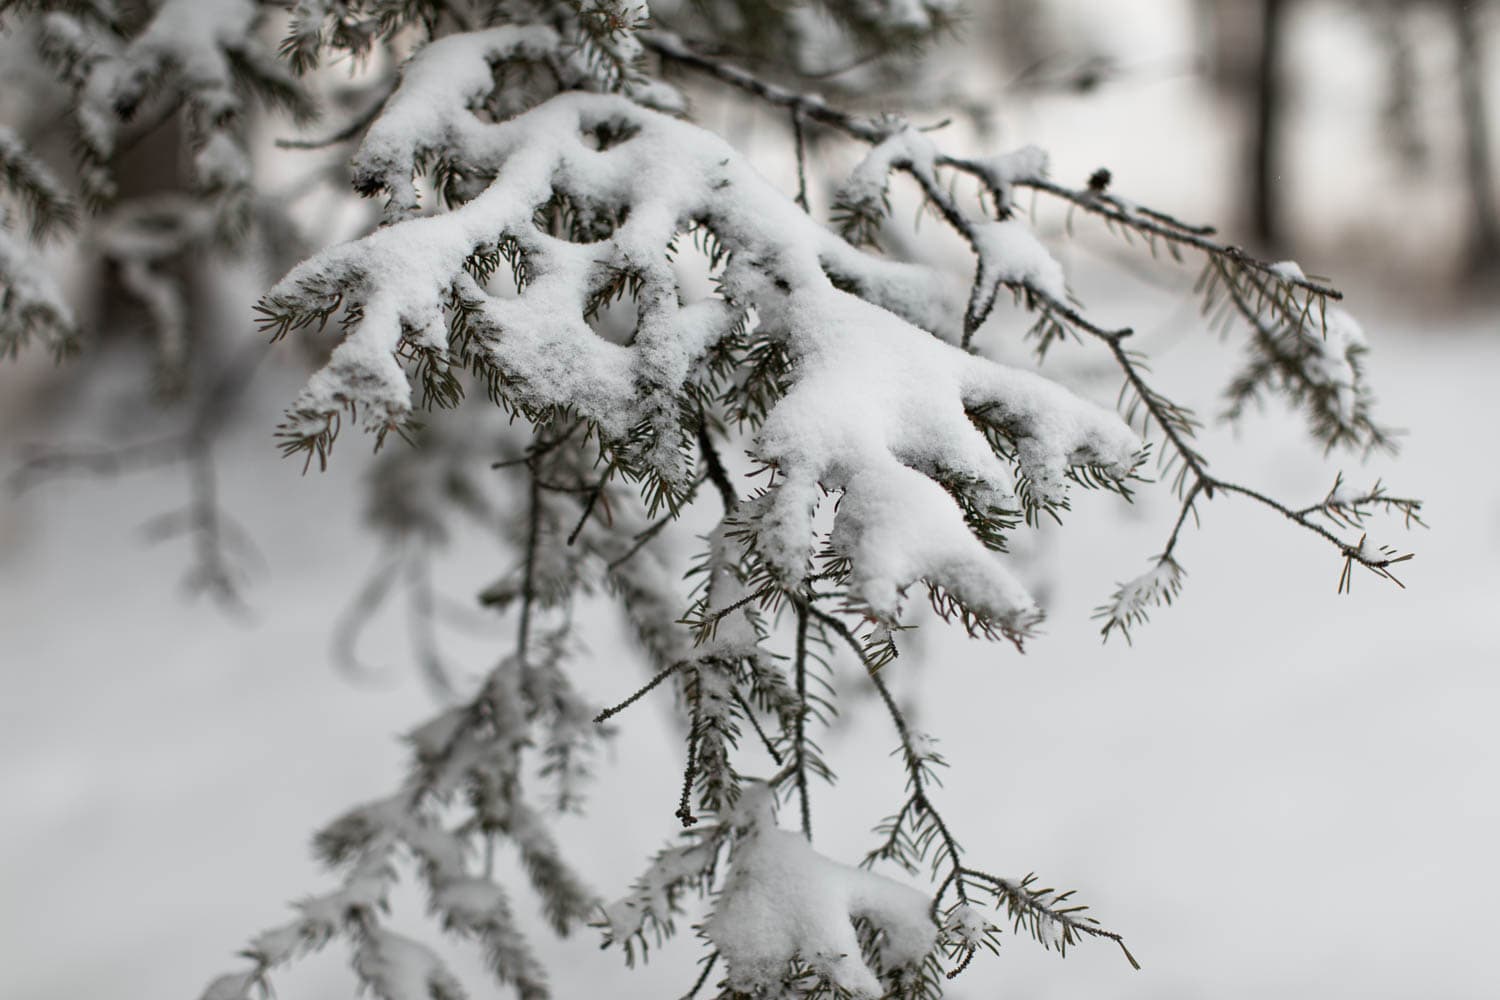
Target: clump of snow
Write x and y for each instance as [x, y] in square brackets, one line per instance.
[912, 15]
[25, 173]
[735, 635]
[1001, 173]
[923, 745]
[875, 414]
[278, 945]
[1010, 253]
[1049, 932]
[98, 56]
[394, 967]
[783, 901]
[906, 148]
[438, 86]
[364, 890]
[1288, 270]
[967, 926]
[221, 163]
[1369, 550]
[31, 296]
[1150, 588]
[1331, 361]
[927, 298]
[469, 901]
[192, 37]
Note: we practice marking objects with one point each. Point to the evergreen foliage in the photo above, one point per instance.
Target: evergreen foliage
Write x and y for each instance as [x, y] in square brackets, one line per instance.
[540, 179]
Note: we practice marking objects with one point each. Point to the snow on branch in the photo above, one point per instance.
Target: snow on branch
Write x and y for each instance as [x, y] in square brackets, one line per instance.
[1301, 346]
[784, 905]
[873, 407]
[475, 749]
[431, 111]
[27, 180]
[32, 306]
[203, 54]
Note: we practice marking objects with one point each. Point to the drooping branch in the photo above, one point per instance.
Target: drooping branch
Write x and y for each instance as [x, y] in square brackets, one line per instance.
[1040, 912]
[1271, 284]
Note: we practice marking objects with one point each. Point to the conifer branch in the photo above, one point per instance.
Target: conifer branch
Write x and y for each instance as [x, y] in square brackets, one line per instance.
[1150, 222]
[1175, 422]
[1038, 911]
[911, 758]
[809, 107]
[1035, 909]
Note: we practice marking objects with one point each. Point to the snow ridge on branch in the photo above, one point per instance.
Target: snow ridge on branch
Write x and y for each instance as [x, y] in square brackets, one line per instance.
[872, 406]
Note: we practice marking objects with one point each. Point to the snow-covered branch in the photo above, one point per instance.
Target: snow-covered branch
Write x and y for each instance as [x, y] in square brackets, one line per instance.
[829, 410]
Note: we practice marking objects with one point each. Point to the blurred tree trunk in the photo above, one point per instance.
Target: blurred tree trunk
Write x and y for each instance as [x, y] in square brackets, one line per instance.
[1484, 228]
[1401, 119]
[1227, 30]
[1269, 99]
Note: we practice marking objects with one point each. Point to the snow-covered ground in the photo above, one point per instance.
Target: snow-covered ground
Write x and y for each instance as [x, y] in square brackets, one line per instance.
[1275, 790]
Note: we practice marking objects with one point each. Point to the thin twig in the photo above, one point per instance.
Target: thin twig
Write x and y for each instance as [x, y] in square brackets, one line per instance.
[641, 692]
[690, 772]
[708, 967]
[917, 782]
[717, 474]
[800, 144]
[739, 699]
[352, 130]
[799, 734]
